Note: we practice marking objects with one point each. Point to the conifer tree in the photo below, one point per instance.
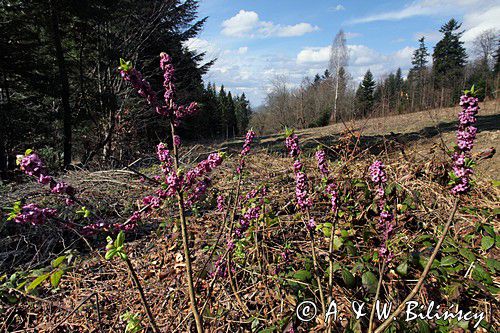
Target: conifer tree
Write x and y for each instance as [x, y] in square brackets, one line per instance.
[449, 59]
[364, 94]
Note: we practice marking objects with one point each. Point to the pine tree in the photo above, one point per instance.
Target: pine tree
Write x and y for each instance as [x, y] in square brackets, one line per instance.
[449, 59]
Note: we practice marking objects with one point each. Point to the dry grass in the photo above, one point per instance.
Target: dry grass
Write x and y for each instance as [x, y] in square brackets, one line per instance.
[414, 158]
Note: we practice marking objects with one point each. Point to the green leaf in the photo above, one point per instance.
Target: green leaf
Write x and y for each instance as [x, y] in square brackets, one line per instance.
[467, 254]
[493, 264]
[28, 152]
[56, 262]
[487, 242]
[337, 243]
[481, 275]
[402, 269]
[348, 278]
[36, 282]
[370, 282]
[302, 275]
[110, 254]
[120, 239]
[489, 229]
[495, 183]
[55, 278]
[448, 261]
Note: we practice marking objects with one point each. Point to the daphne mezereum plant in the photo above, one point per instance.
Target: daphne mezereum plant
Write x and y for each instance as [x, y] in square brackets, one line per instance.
[116, 248]
[332, 192]
[460, 182]
[304, 202]
[187, 186]
[385, 226]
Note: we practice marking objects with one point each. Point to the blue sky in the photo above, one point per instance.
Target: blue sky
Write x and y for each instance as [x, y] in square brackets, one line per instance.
[257, 41]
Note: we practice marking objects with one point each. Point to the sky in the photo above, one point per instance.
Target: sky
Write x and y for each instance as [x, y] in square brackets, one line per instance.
[257, 41]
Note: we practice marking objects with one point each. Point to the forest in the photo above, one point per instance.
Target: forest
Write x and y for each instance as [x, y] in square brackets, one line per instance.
[61, 92]
[435, 80]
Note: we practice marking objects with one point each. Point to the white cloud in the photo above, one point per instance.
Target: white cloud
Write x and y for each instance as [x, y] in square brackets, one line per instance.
[243, 50]
[200, 45]
[313, 55]
[300, 29]
[241, 24]
[361, 58]
[350, 34]
[337, 8]
[248, 24]
[477, 22]
[426, 7]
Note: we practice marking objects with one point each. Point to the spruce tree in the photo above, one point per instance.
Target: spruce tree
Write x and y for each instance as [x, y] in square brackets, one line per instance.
[417, 74]
[364, 94]
[449, 59]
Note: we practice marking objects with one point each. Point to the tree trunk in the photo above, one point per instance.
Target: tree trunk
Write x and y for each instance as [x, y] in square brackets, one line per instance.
[333, 117]
[3, 156]
[63, 78]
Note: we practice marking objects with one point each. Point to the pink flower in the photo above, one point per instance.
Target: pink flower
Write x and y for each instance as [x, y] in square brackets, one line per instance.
[220, 203]
[248, 141]
[32, 165]
[34, 215]
[177, 140]
[466, 134]
[153, 201]
[322, 163]
[311, 224]
[292, 144]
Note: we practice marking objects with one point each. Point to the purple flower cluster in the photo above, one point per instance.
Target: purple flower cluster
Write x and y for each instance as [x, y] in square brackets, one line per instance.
[246, 150]
[177, 140]
[303, 200]
[140, 84]
[33, 165]
[331, 190]
[378, 176]
[34, 215]
[170, 108]
[331, 187]
[252, 213]
[386, 219]
[248, 141]
[292, 144]
[466, 134]
[221, 203]
[199, 190]
[322, 163]
[204, 167]
[222, 269]
[311, 224]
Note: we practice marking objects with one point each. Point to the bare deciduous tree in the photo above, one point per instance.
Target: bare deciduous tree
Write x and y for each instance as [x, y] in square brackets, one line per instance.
[485, 45]
[339, 57]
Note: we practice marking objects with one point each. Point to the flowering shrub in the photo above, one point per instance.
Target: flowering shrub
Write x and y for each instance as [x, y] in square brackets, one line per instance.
[386, 219]
[466, 134]
[34, 215]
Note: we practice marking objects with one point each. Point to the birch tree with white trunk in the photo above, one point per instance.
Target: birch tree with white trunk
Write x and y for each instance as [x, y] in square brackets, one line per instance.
[339, 58]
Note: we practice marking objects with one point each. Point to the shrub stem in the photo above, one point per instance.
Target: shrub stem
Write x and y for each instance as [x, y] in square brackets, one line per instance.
[426, 271]
[143, 297]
